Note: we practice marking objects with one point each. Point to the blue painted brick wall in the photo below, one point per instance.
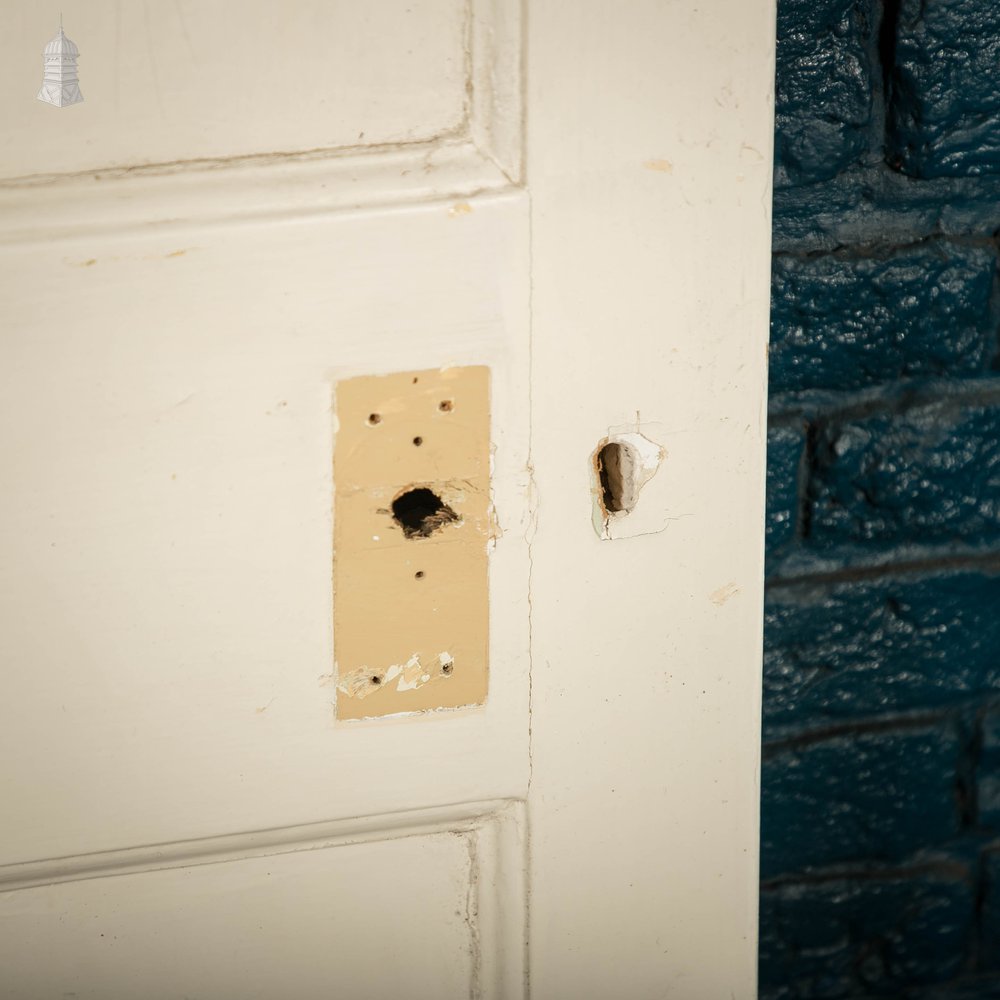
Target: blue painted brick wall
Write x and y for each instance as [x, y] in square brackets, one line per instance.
[944, 105]
[852, 934]
[880, 852]
[855, 797]
[842, 652]
[929, 474]
[826, 54]
[786, 448]
[990, 944]
[922, 310]
[988, 782]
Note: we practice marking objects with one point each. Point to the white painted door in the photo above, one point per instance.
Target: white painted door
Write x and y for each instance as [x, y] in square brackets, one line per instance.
[525, 759]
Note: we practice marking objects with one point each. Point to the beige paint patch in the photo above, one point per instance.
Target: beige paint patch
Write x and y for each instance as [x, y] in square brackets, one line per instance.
[412, 525]
[723, 594]
[663, 166]
[460, 208]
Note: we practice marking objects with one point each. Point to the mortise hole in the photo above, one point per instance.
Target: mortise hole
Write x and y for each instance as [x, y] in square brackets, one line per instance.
[447, 668]
[374, 418]
[615, 468]
[419, 575]
[446, 405]
[420, 512]
[418, 441]
[376, 679]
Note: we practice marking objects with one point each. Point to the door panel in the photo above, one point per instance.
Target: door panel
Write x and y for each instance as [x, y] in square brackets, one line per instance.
[429, 902]
[261, 927]
[173, 766]
[168, 435]
[189, 81]
[173, 771]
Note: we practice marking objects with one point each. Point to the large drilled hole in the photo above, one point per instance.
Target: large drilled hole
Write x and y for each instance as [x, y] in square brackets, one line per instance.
[420, 512]
[616, 468]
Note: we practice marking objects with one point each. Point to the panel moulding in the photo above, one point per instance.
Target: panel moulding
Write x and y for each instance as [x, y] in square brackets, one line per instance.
[493, 830]
[484, 154]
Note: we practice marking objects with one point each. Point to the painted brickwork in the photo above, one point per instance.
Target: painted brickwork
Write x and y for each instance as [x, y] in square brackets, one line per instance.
[880, 853]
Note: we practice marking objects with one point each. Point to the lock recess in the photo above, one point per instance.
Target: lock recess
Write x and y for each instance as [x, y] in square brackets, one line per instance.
[412, 520]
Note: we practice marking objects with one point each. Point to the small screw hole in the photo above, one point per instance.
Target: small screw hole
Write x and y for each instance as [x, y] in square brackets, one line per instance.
[376, 679]
[419, 575]
[446, 405]
[447, 668]
[418, 441]
[415, 380]
[374, 418]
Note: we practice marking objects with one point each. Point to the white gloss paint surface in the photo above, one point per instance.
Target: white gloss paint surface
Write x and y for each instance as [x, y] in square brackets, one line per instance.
[172, 773]
[649, 152]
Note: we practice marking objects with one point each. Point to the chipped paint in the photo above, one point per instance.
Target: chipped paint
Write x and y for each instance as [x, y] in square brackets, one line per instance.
[409, 676]
[413, 526]
[640, 460]
[723, 594]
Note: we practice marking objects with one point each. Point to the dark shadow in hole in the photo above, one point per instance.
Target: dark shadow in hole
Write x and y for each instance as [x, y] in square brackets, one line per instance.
[611, 467]
[420, 512]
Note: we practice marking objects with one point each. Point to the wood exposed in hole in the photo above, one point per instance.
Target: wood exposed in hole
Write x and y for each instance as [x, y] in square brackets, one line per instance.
[623, 464]
[615, 470]
[420, 512]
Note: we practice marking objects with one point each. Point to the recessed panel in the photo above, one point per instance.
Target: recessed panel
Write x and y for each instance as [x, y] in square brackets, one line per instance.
[168, 443]
[365, 921]
[172, 82]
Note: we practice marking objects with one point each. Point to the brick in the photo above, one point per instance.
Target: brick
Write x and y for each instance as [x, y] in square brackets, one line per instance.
[871, 933]
[966, 988]
[859, 797]
[870, 206]
[988, 772]
[944, 103]
[843, 322]
[927, 475]
[823, 95]
[835, 652]
[784, 453]
[990, 920]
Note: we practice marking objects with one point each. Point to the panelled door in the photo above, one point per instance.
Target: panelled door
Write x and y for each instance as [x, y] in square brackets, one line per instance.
[382, 426]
